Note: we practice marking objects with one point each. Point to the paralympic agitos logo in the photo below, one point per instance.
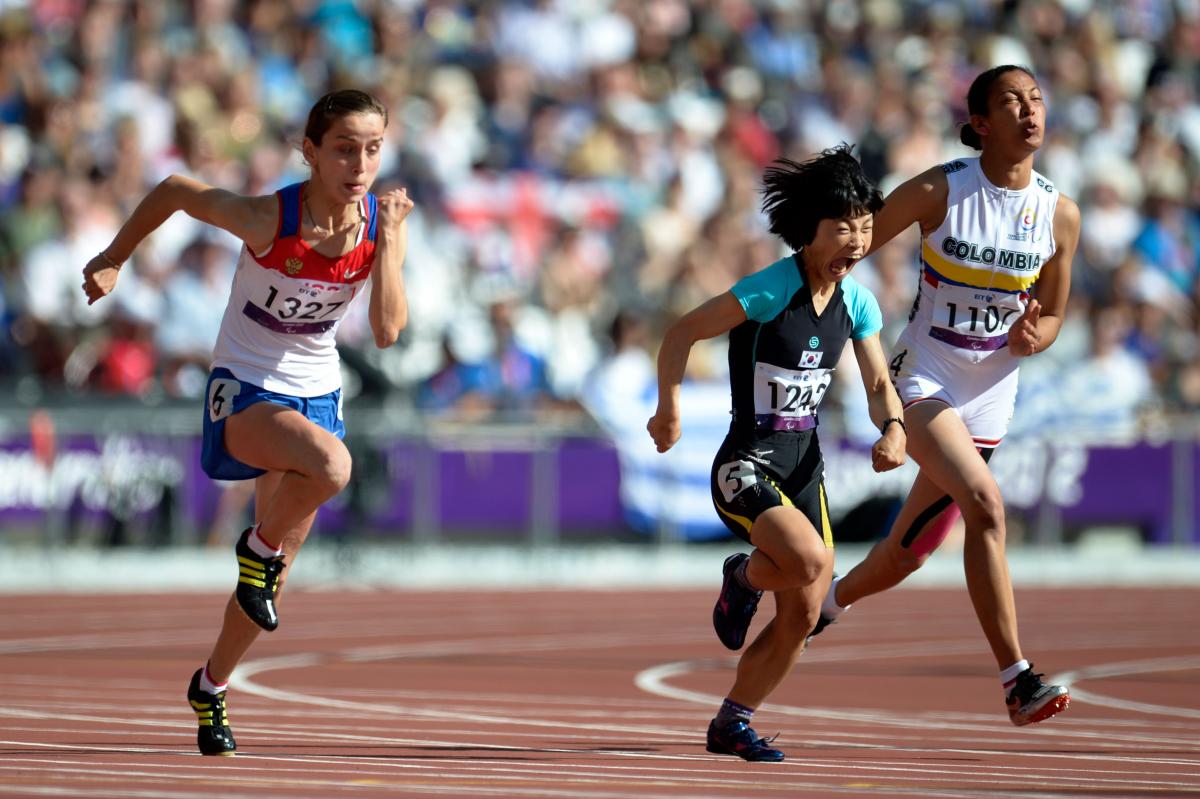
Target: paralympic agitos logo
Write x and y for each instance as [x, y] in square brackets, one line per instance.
[1009, 259]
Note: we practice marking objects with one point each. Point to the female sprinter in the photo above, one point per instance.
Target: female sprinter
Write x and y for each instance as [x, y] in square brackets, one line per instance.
[991, 229]
[788, 324]
[273, 408]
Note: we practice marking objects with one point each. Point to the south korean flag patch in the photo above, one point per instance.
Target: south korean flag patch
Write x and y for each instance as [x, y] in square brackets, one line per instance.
[810, 359]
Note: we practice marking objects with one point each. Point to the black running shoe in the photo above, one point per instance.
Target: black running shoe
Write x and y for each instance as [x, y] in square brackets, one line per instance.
[821, 624]
[214, 736]
[258, 579]
[1031, 700]
[735, 606]
[739, 739]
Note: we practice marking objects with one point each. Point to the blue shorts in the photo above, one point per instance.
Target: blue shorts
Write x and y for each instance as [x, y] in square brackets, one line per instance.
[226, 395]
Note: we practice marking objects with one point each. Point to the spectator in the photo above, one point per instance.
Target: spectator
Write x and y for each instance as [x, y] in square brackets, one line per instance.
[591, 155]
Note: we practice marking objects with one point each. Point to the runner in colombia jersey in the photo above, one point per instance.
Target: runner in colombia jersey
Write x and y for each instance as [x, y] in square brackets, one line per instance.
[997, 239]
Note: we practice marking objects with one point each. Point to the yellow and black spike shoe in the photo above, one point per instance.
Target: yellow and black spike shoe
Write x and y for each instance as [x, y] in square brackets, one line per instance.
[214, 736]
[258, 580]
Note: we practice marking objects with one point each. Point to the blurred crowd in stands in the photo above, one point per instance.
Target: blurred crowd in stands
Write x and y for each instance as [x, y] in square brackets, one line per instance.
[584, 170]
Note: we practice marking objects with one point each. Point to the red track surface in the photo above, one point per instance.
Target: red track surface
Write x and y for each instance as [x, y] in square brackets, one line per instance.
[592, 694]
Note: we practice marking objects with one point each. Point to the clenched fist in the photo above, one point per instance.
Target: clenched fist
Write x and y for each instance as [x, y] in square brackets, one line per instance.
[665, 429]
[1024, 338]
[99, 277]
[394, 207]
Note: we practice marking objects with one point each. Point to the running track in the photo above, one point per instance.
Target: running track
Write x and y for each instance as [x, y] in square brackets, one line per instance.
[594, 694]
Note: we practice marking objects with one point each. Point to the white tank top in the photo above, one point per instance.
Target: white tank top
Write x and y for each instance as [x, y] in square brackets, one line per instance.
[978, 266]
[285, 306]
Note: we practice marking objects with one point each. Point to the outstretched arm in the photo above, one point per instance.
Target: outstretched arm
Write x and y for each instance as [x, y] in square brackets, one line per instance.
[713, 318]
[1039, 326]
[251, 219]
[884, 404]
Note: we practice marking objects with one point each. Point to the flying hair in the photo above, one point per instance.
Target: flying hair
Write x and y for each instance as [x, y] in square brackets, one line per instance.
[798, 195]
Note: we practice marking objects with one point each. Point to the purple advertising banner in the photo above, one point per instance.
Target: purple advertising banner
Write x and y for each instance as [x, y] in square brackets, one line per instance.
[560, 487]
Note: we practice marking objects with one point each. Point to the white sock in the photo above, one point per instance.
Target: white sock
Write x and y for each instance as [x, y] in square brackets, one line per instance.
[1009, 676]
[207, 685]
[830, 609]
[259, 545]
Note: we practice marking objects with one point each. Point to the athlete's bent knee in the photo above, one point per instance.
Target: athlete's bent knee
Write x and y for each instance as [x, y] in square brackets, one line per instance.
[985, 510]
[802, 567]
[333, 470]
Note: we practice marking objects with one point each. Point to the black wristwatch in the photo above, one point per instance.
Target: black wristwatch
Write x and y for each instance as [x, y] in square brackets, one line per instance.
[897, 420]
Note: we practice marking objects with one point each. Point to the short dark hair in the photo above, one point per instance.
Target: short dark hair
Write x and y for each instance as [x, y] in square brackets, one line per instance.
[832, 185]
[335, 105]
[977, 100]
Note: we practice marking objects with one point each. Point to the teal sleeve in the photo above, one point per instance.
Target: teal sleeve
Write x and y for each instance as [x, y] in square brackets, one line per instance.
[767, 292]
[865, 316]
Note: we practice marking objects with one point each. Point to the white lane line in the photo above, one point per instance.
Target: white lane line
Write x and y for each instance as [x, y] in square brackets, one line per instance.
[1125, 669]
[808, 761]
[577, 774]
[654, 681]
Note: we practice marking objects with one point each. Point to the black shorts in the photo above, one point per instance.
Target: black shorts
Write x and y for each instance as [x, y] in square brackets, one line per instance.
[752, 473]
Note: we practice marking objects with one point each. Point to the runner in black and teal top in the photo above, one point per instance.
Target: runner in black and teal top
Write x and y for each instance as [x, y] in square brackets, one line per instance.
[781, 361]
[787, 325]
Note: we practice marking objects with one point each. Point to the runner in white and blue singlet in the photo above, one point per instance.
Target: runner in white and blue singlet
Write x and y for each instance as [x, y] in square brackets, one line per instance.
[273, 406]
[996, 250]
[787, 325]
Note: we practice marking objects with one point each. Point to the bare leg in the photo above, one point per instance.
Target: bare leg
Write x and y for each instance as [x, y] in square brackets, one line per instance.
[890, 561]
[237, 631]
[306, 465]
[950, 464]
[793, 552]
[314, 464]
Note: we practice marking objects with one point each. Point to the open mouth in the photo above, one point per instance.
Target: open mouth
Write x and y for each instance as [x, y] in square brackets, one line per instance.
[841, 265]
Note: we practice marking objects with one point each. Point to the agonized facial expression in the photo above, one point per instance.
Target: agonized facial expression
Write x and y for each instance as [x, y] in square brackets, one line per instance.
[839, 244]
[1016, 111]
[348, 158]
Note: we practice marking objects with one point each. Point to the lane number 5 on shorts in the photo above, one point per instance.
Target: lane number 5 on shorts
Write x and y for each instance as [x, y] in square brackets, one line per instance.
[735, 477]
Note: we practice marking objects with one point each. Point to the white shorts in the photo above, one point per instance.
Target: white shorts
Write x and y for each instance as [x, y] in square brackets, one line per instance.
[983, 395]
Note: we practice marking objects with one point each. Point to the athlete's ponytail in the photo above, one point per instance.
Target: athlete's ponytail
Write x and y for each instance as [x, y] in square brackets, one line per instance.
[969, 136]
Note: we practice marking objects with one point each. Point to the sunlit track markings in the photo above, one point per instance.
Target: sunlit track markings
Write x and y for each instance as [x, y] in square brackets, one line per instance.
[574, 774]
[241, 681]
[98, 792]
[304, 732]
[1125, 669]
[67, 643]
[327, 733]
[252, 705]
[429, 789]
[545, 772]
[654, 681]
